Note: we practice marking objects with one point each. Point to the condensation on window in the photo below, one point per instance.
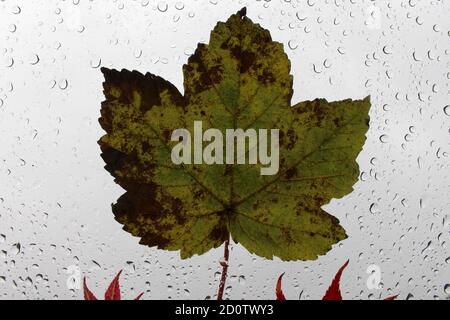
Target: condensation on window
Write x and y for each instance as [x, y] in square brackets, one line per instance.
[56, 224]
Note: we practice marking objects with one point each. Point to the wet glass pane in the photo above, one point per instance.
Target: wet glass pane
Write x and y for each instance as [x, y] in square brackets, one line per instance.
[56, 221]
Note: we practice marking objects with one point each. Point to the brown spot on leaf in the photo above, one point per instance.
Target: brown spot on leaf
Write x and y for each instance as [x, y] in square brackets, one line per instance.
[198, 76]
[267, 77]
[247, 59]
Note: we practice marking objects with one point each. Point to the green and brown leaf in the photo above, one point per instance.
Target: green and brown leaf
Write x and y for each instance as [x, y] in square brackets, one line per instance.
[241, 79]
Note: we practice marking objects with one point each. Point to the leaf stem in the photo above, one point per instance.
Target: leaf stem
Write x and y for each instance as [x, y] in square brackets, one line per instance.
[224, 264]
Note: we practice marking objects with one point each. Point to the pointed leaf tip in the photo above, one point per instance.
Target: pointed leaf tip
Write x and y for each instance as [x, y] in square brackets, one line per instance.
[88, 295]
[113, 291]
[334, 291]
[279, 290]
[243, 12]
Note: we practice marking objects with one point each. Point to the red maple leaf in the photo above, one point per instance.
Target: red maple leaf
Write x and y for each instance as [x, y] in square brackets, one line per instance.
[333, 292]
[112, 293]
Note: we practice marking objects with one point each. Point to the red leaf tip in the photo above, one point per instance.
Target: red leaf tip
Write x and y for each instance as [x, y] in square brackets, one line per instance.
[279, 290]
[334, 291]
[88, 295]
[113, 291]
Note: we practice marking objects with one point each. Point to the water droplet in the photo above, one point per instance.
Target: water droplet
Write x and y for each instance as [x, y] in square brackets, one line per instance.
[8, 62]
[293, 44]
[162, 6]
[387, 50]
[179, 5]
[94, 266]
[300, 16]
[63, 84]
[447, 288]
[316, 69]
[12, 28]
[16, 10]
[138, 53]
[374, 208]
[363, 176]
[384, 138]
[34, 59]
[96, 63]
[15, 249]
[447, 110]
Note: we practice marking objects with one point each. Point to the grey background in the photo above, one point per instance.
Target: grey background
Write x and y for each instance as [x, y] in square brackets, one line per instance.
[55, 196]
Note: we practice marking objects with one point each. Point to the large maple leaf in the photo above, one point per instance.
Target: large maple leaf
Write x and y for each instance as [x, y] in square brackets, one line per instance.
[241, 79]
